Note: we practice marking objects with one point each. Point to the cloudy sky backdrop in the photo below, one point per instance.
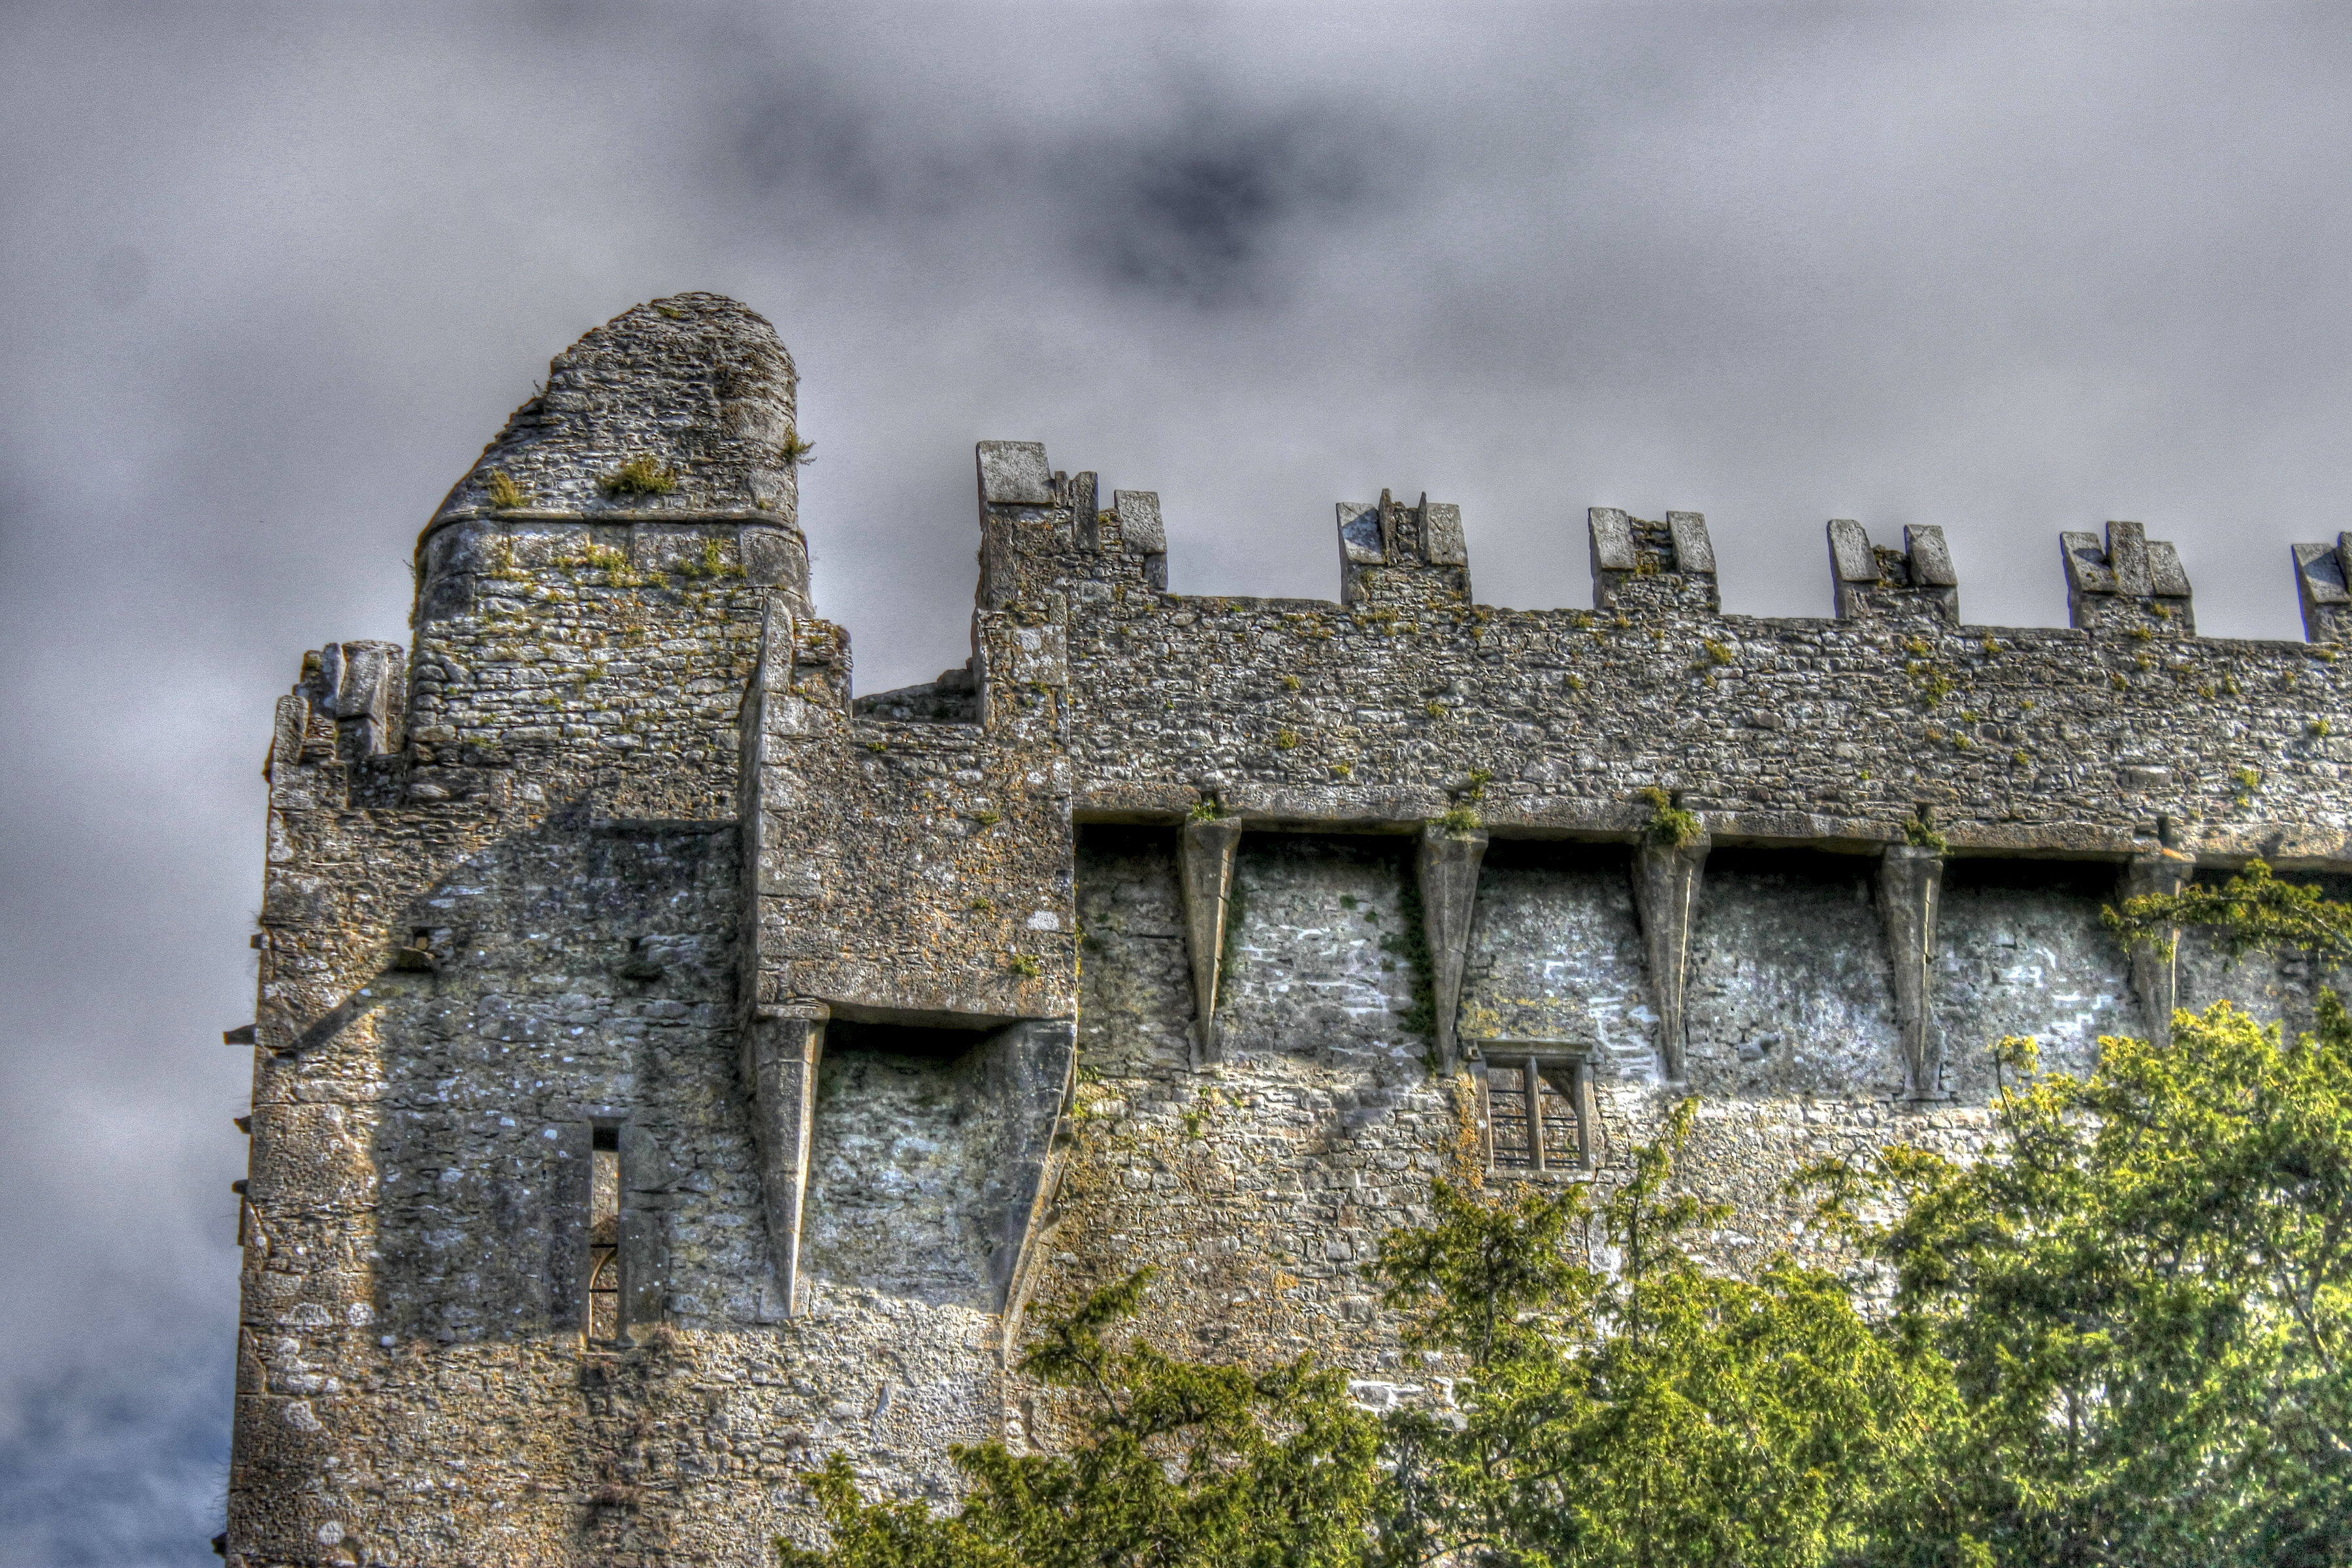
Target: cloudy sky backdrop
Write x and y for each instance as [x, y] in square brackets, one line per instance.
[270, 277]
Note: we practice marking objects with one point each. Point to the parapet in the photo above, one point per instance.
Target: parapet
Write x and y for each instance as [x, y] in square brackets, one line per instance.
[2134, 583]
[1873, 582]
[1626, 549]
[1408, 555]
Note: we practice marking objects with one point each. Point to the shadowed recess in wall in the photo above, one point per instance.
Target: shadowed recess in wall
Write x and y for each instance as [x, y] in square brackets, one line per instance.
[2282, 985]
[923, 1169]
[2024, 953]
[1135, 1007]
[1556, 955]
[1790, 990]
[1323, 961]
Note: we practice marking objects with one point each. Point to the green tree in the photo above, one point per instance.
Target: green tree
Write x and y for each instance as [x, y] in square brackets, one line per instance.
[1181, 1466]
[2145, 1295]
[2248, 910]
[2122, 1336]
[1652, 1413]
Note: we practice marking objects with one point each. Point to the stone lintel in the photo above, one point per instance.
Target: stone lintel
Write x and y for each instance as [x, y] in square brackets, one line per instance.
[1910, 893]
[1448, 869]
[1140, 529]
[2156, 974]
[781, 1048]
[1694, 550]
[1666, 897]
[1204, 860]
[1134, 528]
[1013, 473]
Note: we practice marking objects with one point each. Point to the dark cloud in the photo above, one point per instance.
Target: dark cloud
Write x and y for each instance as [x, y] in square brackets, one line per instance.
[104, 1462]
[1198, 213]
[1191, 198]
[275, 274]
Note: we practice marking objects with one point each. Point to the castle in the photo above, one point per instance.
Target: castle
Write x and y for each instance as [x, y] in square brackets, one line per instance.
[673, 1066]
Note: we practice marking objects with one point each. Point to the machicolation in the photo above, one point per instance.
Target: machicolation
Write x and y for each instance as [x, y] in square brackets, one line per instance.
[672, 1067]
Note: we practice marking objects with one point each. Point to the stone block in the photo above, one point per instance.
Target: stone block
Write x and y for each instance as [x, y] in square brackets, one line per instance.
[1014, 473]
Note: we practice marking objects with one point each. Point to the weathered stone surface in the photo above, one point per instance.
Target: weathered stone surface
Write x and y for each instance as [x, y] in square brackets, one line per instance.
[1665, 892]
[607, 927]
[1205, 871]
[1448, 869]
[1910, 893]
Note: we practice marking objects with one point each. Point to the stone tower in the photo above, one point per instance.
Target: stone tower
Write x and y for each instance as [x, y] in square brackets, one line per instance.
[672, 1067]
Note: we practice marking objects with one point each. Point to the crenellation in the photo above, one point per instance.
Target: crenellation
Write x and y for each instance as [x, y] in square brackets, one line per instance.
[1918, 580]
[2320, 585]
[615, 948]
[2132, 584]
[1396, 556]
[1675, 557]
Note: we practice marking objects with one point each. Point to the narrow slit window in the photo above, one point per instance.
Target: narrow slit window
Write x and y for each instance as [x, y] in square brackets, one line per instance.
[604, 1235]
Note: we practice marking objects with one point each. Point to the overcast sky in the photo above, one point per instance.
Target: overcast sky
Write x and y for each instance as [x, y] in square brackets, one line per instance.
[271, 278]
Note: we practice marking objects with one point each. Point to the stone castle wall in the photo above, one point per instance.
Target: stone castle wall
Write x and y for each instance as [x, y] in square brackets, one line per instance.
[1201, 934]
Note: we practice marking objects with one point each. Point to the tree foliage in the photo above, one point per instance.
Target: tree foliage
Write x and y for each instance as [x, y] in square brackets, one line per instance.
[2251, 909]
[1654, 1412]
[2145, 1300]
[1181, 1466]
[2121, 1336]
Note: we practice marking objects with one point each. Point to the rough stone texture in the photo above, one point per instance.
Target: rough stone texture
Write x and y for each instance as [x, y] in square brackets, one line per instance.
[892, 1007]
[696, 383]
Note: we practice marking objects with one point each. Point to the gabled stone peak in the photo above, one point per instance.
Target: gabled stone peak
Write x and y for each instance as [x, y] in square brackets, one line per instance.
[696, 389]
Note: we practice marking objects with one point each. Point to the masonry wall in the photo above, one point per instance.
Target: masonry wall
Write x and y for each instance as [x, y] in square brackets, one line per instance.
[1168, 931]
[2025, 740]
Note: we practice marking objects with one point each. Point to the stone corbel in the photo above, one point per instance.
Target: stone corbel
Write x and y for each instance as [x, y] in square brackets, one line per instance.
[1665, 896]
[779, 1061]
[1204, 859]
[2156, 975]
[1031, 1067]
[1910, 892]
[1448, 869]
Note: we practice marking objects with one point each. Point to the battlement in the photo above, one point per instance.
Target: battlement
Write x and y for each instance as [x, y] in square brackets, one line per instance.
[670, 1051]
[2133, 583]
[1674, 552]
[1917, 579]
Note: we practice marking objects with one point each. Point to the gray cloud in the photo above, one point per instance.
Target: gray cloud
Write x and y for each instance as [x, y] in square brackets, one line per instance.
[1186, 197]
[275, 274]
